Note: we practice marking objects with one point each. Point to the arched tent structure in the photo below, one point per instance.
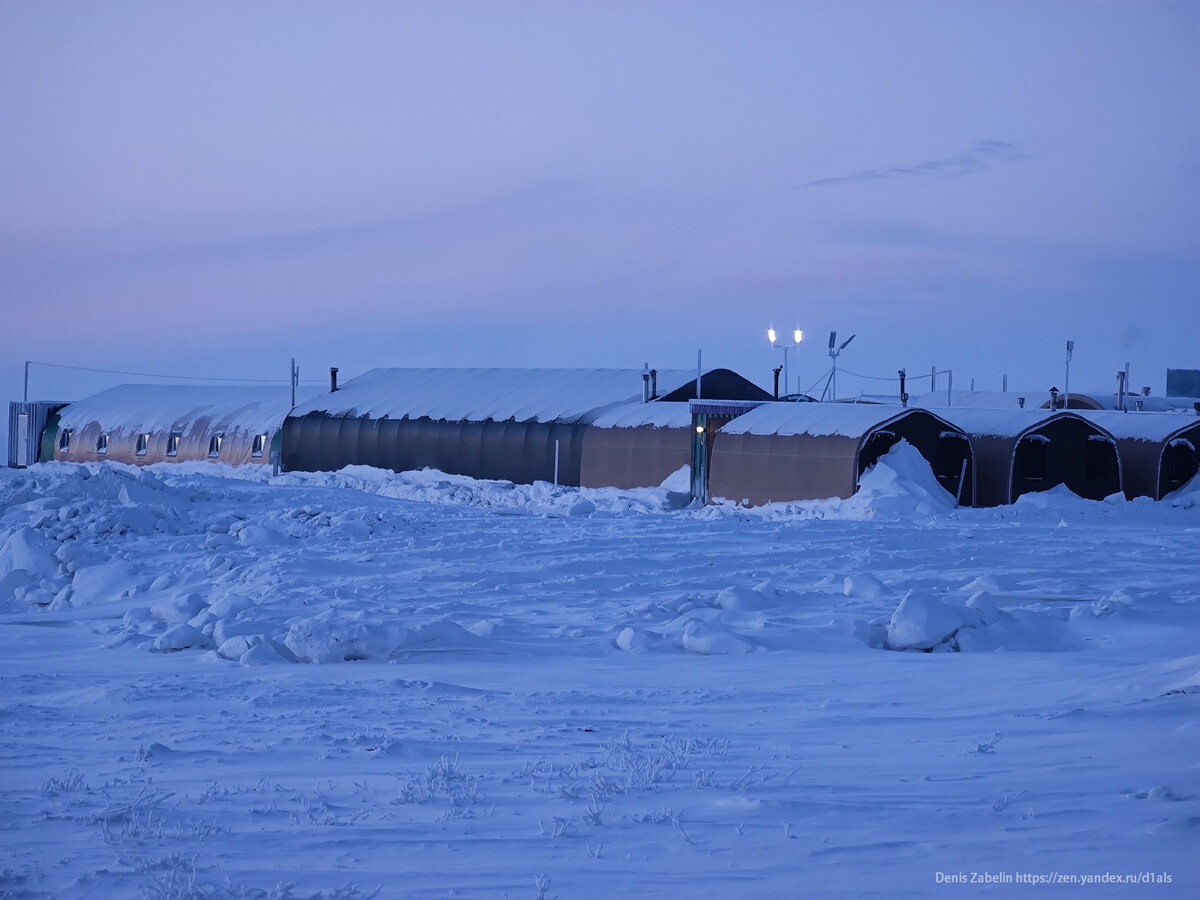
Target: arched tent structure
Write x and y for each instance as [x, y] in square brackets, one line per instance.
[1159, 452]
[142, 424]
[637, 445]
[521, 425]
[810, 451]
[1029, 450]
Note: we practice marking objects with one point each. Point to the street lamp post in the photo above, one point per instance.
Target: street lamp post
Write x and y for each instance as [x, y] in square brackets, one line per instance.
[797, 336]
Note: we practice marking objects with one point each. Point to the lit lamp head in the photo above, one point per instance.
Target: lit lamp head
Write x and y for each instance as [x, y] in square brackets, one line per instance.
[799, 335]
[771, 335]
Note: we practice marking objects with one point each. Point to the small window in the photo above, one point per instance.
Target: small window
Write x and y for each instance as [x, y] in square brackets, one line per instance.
[102, 444]
[214, 445]
[143, 442]
[259, 446]
[64, 439]
[173, 443]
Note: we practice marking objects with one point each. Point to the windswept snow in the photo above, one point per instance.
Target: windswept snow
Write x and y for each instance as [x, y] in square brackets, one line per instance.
[221, 684]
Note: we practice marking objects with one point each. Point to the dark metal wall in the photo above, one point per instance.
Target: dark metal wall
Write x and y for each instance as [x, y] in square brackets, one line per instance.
[522, 452]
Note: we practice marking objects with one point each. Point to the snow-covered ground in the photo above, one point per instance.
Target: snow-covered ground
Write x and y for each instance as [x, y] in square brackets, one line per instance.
[218, 684]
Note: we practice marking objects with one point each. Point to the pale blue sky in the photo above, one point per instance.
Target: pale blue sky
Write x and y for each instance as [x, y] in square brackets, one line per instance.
[213, 188]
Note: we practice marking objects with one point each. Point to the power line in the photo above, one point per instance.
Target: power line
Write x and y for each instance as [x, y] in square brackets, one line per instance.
[171, 377]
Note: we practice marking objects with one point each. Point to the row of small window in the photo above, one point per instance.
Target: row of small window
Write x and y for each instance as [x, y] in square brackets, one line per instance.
[257, 448]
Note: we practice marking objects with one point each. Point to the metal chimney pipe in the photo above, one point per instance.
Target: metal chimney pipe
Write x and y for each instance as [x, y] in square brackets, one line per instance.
[333, 379]
[645, 387]
[1053, 399]
[903, 393]
[654, 384]
[777, 370]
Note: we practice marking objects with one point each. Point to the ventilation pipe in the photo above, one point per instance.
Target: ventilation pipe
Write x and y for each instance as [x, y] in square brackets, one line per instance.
[654, 384]
[1053, 399]
[1121, 390]
[646, 382]
[1020, 402]
[776, 371]
[333, 379]
[903, 393]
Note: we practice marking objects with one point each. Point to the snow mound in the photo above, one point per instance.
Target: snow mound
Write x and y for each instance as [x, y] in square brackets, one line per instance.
[901, 483]
[1186, 497]
[929, 623]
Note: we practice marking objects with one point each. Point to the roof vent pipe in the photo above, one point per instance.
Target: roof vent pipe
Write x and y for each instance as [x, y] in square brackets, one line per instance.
[776, 371]
[646, 382]
[903, 393]
[333, 379]
[1053, 399]
[1021, 402]
[654, 384]
[1146, 391]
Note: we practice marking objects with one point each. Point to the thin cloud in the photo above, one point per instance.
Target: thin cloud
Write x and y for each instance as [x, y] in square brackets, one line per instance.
[984, 155]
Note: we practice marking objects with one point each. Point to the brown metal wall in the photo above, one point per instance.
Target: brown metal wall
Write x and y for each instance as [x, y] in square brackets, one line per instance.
[1140, 467]
[236, 448]
[760, 469]
[633, 457]
[993, 469]
[769, 468]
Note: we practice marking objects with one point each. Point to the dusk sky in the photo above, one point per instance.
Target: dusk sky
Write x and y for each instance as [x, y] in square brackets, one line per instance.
[212, 188]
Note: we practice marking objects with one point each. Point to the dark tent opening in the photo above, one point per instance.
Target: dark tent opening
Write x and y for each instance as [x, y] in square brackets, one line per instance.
[1180, 462]
[1066, 450]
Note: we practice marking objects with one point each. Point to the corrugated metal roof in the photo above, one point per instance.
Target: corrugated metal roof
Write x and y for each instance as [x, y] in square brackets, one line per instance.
[477, 395]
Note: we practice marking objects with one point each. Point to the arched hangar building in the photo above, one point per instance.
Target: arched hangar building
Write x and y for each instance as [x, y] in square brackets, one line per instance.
[521, 425]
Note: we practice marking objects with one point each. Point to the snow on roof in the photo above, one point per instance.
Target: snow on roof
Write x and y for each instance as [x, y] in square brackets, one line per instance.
[1142, 426]
[1005, 423]
[975, 399]
[659, 415]
[476, 395]
[1108, 400]
[845, 419]
[155, 407]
